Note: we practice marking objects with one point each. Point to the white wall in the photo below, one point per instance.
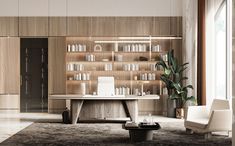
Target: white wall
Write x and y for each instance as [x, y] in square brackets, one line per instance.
[90, 7]
[9, 8]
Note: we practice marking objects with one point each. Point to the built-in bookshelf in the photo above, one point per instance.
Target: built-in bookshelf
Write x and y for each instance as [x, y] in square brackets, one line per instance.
[130, 60]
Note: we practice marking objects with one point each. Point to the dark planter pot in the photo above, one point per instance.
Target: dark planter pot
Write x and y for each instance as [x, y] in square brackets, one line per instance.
[171, 107]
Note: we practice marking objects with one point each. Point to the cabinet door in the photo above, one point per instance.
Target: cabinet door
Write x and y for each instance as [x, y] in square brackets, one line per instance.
[133, 26]
[33, 26]
[161, 26]
[78, 26]
[9, 65]
[167, 26]
[103, 26]
[176, 26]
[9, 26]
[57, 26]
[56, 72]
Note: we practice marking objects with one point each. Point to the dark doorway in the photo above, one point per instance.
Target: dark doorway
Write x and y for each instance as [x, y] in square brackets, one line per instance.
[34, 74]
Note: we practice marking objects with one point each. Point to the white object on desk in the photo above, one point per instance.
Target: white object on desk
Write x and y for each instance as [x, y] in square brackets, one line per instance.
[105, 86]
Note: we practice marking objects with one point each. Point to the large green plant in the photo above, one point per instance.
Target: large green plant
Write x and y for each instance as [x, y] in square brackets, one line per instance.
[173, 78]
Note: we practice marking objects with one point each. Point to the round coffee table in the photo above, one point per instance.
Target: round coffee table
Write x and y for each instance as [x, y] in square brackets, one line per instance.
[142, 132]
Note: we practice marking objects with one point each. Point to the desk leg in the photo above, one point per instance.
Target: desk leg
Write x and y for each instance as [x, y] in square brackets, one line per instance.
[76, 106]
[132, 107]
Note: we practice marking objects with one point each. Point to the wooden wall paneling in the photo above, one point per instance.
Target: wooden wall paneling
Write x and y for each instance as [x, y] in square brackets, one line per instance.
[78, 26]
[165, 26]
[56, 72]
[176, 45]
[10, 65]
[57, 26]
[33, 26]
[103, 26]
[133, 26]
[176, 26]
[3, 46]
[12, 69]
[9, 26]
[161, 26]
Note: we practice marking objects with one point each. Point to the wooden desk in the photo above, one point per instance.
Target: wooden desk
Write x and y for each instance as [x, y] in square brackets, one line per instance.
[130, 103]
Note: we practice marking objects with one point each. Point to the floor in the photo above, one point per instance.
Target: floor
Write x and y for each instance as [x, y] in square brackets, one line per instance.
[12, 123]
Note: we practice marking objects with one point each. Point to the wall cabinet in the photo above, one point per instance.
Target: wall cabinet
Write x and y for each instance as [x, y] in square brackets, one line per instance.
[103, 26]
[9, 65]
[167, 26]
[9, 26]
[56, 72]
[57, 26]
[33, 26]
[133, 26]
[78, 26]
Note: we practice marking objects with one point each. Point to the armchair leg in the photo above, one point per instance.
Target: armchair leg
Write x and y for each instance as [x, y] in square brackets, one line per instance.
[207, 135]
[189, 131]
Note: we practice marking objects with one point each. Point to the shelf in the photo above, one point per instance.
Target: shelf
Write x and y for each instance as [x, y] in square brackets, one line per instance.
[113, 47]
[116, 81]
[113, 71]
[124, 38]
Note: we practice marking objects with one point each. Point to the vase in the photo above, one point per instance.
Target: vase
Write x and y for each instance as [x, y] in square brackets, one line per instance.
[171, 108]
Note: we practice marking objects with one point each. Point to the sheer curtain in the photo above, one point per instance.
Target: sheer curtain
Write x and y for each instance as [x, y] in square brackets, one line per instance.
[189, 47]
[215, 53]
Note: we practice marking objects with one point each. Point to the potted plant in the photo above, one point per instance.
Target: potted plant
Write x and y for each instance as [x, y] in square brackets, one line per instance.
[173, 78]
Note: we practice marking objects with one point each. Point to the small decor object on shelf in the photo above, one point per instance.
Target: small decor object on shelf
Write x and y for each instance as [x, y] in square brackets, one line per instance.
[76, 48]
[141, 58]
[156, 48]
[97, 48]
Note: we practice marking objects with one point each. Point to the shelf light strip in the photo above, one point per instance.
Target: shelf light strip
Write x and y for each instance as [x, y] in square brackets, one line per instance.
[122, 41]
[148, 38]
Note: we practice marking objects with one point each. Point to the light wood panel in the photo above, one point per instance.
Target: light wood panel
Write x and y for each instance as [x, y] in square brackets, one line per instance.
[56, 72]
[33, 26]
[102, 110]
[10, 102]
[161, 26]
[133, 26]
[57, 26]
[78, 26]
[176, 26]
[10, 65]
[103, 26]
[9, 26]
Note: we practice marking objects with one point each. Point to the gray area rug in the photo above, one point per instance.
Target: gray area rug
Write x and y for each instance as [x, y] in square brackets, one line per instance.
[105, 134]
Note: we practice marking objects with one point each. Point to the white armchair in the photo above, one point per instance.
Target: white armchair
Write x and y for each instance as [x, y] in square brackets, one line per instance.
[200, 120]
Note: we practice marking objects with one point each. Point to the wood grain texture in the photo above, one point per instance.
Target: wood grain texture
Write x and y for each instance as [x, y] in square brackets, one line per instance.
[56, 72]
[76, 106]
[132, 107]
[10, 65]
[33, 26]
[161, 26]
[102, 110]
[57, 26]
[133, 26]
[176, 26]
[9, 26]
[103, 26]
[78, 26]
[10, 102]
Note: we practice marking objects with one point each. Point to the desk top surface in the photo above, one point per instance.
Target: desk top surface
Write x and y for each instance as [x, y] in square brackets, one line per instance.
[96, 97]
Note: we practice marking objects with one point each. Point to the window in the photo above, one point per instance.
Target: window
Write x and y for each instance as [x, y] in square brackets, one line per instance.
[221, 52]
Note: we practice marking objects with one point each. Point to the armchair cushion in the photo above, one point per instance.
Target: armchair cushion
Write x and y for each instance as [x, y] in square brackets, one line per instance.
[197, 123]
